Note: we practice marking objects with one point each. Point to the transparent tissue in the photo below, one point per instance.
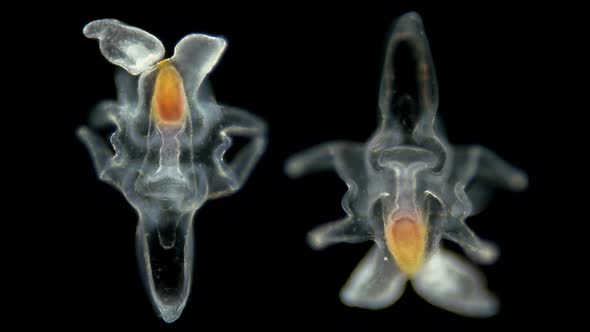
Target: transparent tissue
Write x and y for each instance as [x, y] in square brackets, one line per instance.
[169, 145]
[408, 188]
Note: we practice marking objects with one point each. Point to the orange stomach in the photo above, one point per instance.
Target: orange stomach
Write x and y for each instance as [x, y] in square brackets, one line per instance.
[168, 100]
[406, 240]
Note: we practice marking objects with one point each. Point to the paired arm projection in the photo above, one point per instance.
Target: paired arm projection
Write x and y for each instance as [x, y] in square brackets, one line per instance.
[408, 188]
[168, 148]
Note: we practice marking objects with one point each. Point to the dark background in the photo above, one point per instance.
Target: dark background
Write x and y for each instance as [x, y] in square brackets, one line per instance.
[512, 79]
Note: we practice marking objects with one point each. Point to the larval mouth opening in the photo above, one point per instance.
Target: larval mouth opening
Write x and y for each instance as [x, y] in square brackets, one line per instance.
[406, 237]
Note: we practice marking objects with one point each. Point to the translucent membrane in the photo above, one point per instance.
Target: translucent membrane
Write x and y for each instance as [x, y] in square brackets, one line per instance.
[408, 189]
[169, 145]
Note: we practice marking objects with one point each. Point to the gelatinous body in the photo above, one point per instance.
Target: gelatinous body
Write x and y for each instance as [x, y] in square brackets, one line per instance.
[169, 143]
[408, 188]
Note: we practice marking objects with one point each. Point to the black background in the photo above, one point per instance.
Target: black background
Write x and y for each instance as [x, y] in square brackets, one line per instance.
[512, 79]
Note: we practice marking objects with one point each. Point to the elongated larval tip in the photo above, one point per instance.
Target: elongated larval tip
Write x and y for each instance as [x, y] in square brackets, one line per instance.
[519, 181]
[170, 313]
[409, 25]
[406, 240]
[293, 169]
[169, 100]
[412, 19]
